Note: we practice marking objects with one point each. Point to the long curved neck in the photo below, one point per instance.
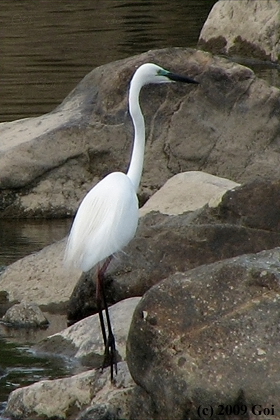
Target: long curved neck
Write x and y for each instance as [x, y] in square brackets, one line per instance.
[137, 158]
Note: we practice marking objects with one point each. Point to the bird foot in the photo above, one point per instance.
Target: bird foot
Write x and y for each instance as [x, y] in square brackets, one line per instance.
[110, 356]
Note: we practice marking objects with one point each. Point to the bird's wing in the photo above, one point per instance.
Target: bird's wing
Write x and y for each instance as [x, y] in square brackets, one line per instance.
[105, 222]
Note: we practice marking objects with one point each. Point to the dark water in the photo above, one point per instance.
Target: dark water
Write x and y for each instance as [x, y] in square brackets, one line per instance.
[20, 366]
[20, 238]
[48, 46]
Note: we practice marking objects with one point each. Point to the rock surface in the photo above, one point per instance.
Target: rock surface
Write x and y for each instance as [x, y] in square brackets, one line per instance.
[26, 315]
[40, 277]
[246, 221]
[67, 397]
[188, 191]
[48, 163]
[208, 337]
[84, 341]
[248, 28]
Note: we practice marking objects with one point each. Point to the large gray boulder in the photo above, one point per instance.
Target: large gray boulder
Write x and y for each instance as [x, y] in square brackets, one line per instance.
[249, 28]
[206, 338]
[227, 126]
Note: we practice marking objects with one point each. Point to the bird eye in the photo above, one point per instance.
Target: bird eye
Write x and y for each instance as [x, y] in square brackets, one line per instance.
[162, 72]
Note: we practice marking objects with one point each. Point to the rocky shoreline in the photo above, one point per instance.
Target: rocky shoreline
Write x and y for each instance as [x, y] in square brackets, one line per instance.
[232, 288]
[195, 296]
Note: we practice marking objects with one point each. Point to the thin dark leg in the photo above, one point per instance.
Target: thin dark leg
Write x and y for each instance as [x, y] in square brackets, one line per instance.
[110, 346]
[99, 297]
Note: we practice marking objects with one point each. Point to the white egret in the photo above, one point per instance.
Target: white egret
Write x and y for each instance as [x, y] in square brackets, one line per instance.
[107, 218]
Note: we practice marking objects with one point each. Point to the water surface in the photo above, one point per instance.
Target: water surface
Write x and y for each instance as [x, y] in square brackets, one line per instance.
[19, 238]
[48, 46]
[20, 366]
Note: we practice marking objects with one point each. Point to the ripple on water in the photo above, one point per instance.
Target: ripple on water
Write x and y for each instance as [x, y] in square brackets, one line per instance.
[21, 366]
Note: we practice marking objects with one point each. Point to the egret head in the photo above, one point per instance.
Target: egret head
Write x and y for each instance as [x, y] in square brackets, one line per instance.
[151, 73]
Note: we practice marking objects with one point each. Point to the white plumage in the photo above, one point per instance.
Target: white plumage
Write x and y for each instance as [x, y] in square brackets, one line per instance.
[113, 206]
